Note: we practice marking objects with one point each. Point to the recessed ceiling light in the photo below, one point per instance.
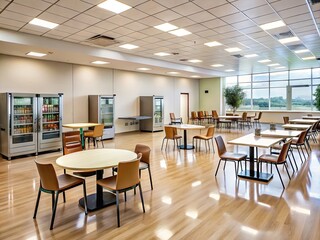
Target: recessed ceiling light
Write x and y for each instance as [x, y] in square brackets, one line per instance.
[264, 61]
[114, 6]
[234, 49]
[128, 46]
[195, 76]
[272, 25]
[99, 62]
[194, 60]
[173, 73]
[213, 44]
[229, 70]
[162, 54]
[251, 55]
[36, 54]
[309, 58]
[281, 67]
[180, 32]
[289, 40]
[43, 23]
[166, 27]
[217, 65]
[302, 51]
[273, 64]
[143, 69]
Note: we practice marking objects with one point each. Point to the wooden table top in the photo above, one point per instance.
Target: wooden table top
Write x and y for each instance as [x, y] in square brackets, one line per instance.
[303, 121]
[296, 126]
[79, 125]
[280, 133]
[255, 141]
[188, 126]
[95, 159]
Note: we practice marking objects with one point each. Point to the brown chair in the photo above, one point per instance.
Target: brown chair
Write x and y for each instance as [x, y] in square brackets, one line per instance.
[171, 134]
[244, 121]
[201, 117]
[208, 137]
[207, 116]
[94, 134]
[194, 118]
[174, 120]
[53, 184]
[278, 159]
[300, 142]
[126, 179]
[257, 119]
[286, 120]
[144, 161]
[71, 142]
[228, 156]
[219, 121]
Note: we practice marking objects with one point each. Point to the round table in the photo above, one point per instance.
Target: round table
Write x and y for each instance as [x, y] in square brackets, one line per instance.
[96, 160]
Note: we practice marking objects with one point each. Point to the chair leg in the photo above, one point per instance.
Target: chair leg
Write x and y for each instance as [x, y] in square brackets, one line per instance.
[280, 176]
[101, 140]
[162, 143]
[141, 196]
[52, 200]
[37, 204]
[287, 170]
[118, 211]
[54, 210]
[64, 196]
[149, 170]
[217, 167]
[85, 198]
[125, 195]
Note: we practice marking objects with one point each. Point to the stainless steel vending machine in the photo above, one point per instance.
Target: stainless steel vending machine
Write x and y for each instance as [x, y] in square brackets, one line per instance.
[151, 106]
[29, 123]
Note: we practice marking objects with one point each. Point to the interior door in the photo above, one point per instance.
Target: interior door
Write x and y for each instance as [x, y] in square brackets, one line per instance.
[184, 107]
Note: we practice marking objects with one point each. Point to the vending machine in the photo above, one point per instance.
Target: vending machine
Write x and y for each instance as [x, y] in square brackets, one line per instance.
[151, 106]
[29, 123]
[101, 110]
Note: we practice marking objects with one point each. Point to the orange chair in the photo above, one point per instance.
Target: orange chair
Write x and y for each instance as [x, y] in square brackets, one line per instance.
[208, 137]
[174, 120]
[194, 118]
[171, 134]
[94, 134]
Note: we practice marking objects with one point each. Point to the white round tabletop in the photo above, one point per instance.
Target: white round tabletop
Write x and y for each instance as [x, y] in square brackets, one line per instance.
[95, 159]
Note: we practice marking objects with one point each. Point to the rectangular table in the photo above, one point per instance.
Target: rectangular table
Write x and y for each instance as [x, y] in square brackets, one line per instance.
[311, 117]
[296, 126]
[303, 121]
[253, 141]
[186, 127]
[280, 133]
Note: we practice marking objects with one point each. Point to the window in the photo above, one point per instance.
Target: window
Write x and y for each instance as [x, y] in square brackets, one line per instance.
[231, 81]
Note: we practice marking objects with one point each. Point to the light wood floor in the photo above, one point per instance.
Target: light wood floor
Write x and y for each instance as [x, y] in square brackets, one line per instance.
[187, 202]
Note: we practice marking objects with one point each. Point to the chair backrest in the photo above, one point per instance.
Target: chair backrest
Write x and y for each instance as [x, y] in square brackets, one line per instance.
[169, 131]
[259, 115]
[48, 177]
[302, 136]
[229, 114]
[206, 114]
[220, 145]
[98, 130]
[172, 116]
[145, 151]
[128, 173]
[244, 116]
[284, 151]
[286, 119]
[200, 114]
[194, 115]
[315, 126]
[71, 142]
[210, 131]
[214, 114]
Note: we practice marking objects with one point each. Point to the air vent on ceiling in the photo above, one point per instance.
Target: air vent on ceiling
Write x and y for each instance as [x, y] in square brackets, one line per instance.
[314, 1]
[238, 55]
[296, 47]
[102, 41]
[284, 35]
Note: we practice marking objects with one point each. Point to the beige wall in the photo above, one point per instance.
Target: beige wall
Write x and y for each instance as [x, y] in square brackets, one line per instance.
[211, 100]
[76, 82]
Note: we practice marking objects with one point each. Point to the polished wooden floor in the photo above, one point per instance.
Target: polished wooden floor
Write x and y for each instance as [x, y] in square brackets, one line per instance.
[188, 201]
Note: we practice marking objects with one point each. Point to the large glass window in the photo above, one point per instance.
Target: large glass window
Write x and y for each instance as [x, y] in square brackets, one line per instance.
[278, 98]
[231, 81]
[260, 99]
[301, 98]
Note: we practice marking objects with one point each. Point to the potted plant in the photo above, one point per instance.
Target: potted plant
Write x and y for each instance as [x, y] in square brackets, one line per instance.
[317, 98]
[234, 96]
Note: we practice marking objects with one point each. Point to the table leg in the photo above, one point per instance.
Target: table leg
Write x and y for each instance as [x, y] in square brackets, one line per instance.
[99, 199]
[185, 145]
[251, 173]
[82, 138]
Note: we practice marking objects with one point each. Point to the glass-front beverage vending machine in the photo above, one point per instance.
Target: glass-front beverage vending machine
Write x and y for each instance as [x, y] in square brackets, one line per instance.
[22, 124]
[101, 110]
[151, 106]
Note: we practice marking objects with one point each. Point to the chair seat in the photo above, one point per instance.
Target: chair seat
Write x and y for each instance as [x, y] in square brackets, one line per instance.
[177, 137]
[88, 133]
[67, 181]
[85, 174]
[204, 137]
[268, 158]
[233, 156]
[108, 183]
[143, 165]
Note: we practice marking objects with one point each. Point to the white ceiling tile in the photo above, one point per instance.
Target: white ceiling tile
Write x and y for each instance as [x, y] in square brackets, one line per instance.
[95, 30]
[99, 13]
[266, 19]
[234, 18]
[131, 3]
[123, 30]
[65, 28]
[151, 39]
[285, 4]
[151, 21]
[202, 16]
[85, 34]
[84, 18]
[207, 33]
[253, 29]
[293, 11]
[34, 29]
[3, 4]
[138, 35]
[298, 18]
[187, 9]
[75, 24]
[10, 22]
[182, 22]
[61, 11]
[37, 4]
[31, 31]
[52, 17]
[245, 4]
[171, 3]
[56, 32]
[119, 20]
[259, 11]
[214, 23]
[134, 14]
[151, 31]
[136, 26]
[150, 7]
[167, 15]
[75, 5]
[125, 39]
[243, 24]
[107, 25]
[16, 16]
[196, 28]
[2, 25]
[205, 4]
[224, 29]
[223, 10]
[23, 9]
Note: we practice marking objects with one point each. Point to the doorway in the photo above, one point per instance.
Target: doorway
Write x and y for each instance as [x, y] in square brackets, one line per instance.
[184, 107]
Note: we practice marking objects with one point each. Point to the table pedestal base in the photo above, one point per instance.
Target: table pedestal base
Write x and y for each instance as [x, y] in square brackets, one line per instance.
[260, 176]
[186, 147]
[108, 199]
